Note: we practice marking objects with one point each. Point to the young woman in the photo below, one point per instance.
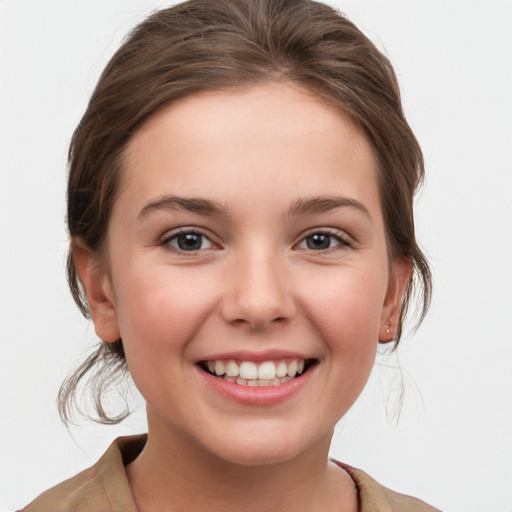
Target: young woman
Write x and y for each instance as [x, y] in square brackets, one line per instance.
[242, 236]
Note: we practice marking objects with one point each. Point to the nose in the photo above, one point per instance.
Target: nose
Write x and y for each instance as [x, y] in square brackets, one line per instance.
[258, 293]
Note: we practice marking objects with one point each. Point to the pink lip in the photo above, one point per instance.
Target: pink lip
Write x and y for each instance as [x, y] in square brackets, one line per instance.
[256, 396]
[257, 357]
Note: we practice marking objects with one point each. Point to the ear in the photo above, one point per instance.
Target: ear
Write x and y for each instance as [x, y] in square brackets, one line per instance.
[99, 292]
[398, 279]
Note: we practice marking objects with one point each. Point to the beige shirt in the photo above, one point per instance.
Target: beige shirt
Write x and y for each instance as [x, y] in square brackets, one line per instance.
[104, 487]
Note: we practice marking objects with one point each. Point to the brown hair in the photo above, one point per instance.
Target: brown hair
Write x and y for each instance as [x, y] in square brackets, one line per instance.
[213, 44]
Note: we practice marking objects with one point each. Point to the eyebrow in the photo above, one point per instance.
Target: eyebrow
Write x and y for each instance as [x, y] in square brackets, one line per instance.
[175, 203]
[303, 206]
[322, 204]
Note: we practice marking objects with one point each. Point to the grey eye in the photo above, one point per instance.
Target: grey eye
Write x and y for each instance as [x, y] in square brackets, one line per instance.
[189, 242]
[319, 242]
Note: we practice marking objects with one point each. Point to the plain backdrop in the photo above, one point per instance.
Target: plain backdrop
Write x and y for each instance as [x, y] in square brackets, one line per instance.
[452, 445]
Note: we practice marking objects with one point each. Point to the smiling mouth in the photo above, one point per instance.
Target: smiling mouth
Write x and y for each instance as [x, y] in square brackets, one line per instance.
[249, 373]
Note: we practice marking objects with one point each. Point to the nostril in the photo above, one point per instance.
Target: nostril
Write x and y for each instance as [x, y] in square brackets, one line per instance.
[258, 322]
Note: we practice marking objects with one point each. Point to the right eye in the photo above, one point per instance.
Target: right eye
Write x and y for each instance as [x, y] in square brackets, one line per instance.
[188, 241]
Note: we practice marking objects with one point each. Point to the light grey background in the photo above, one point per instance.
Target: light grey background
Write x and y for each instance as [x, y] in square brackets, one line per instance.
[453, 443]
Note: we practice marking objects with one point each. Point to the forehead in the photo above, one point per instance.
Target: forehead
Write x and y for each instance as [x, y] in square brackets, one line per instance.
[245, 139]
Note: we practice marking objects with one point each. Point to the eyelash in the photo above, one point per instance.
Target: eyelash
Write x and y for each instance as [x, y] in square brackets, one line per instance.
[167, 241]
[330, 234]
[342, 239]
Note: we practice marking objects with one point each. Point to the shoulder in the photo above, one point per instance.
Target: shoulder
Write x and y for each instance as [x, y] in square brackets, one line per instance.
[102, 487]
[374, 497]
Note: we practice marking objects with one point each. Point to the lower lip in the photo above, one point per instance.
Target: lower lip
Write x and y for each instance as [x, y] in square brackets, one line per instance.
[256, 395]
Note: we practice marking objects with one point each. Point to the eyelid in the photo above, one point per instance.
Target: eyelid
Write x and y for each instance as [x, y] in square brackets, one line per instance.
[344, 239]
[185, 230]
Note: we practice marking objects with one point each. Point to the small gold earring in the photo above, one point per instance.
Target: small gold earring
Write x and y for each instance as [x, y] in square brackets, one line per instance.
[388, 330]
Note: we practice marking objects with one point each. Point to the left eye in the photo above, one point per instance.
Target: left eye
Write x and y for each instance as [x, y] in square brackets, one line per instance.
[189, 242]
[321, 242]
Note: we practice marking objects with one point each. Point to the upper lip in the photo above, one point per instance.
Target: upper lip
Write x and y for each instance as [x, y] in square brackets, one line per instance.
[257, 357]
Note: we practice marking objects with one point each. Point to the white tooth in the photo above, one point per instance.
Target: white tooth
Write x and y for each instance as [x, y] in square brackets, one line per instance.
[231, 368]
[267, 370]
[292, 368]
[281, 369]
[242, 382]
[284, 379]
[252, 382]
[300, 366]
[276, 382]
[211, 366]
[265, 382]
[248, 370]
[220, 369]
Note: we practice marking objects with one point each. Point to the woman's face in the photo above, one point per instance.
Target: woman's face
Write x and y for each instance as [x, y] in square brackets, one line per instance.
[247, 237]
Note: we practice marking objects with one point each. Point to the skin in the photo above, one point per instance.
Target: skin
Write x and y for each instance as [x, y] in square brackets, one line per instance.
[253, 284]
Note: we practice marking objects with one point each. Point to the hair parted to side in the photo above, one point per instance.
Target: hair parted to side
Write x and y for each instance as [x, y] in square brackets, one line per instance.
[203, 45]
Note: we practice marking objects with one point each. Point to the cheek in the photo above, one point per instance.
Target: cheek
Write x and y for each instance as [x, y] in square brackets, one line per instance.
[161, 309]
[347, 316]
[346, 309]
[159, 313]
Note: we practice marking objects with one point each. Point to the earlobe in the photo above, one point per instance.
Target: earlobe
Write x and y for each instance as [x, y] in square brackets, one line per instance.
[99, 293]
[398, 280]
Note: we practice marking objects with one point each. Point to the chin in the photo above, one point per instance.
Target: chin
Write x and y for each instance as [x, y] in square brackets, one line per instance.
[265, 446]
[257, 456]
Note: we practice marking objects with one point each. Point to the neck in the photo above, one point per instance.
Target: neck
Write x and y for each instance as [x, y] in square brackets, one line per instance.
[174, 473]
